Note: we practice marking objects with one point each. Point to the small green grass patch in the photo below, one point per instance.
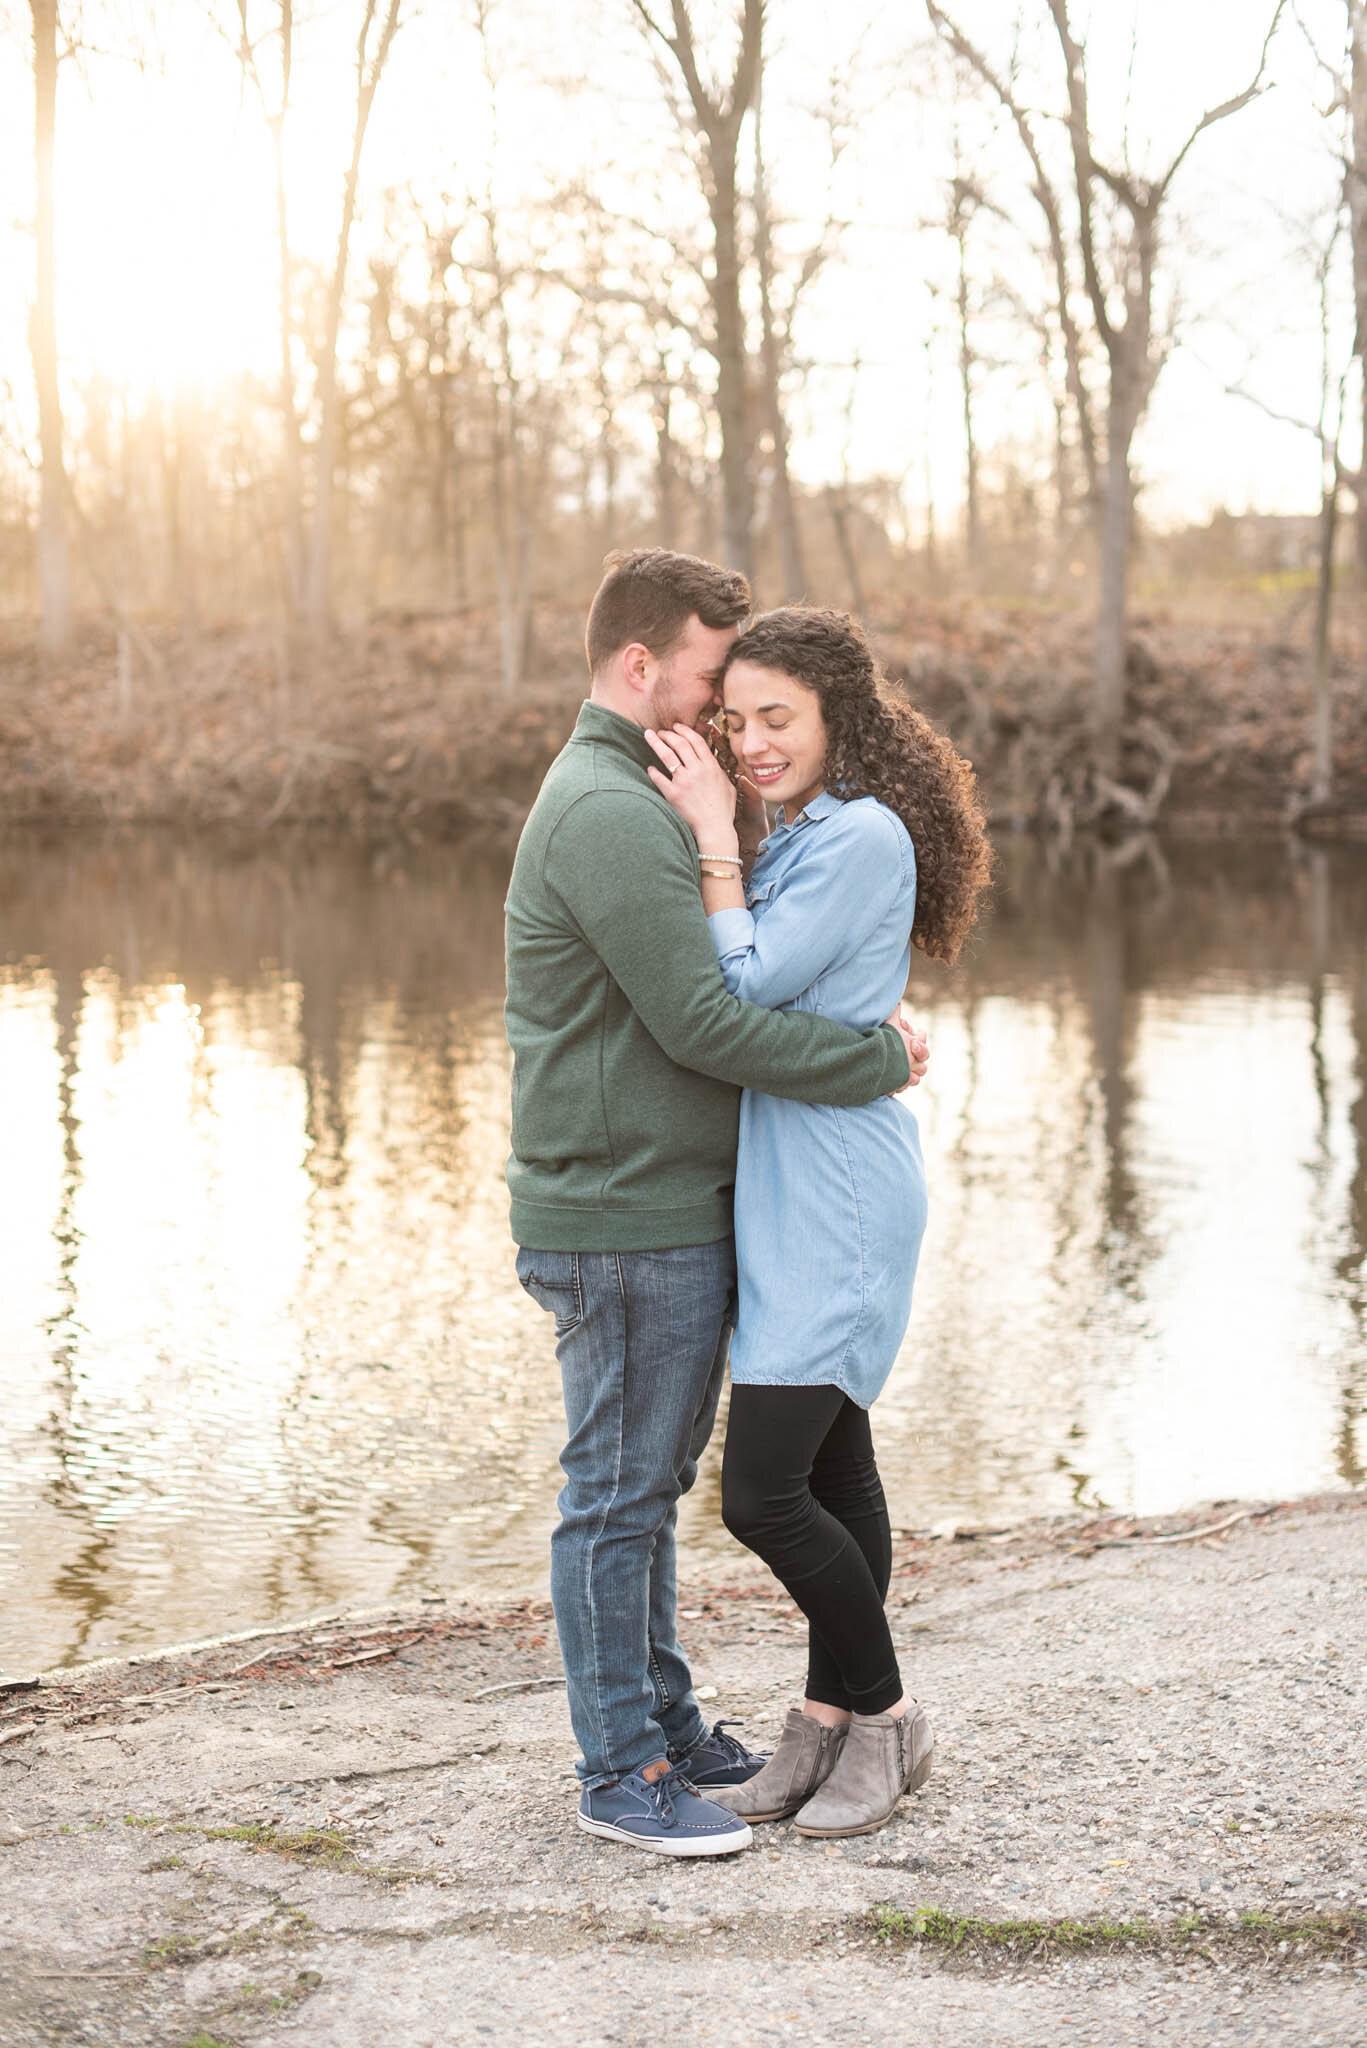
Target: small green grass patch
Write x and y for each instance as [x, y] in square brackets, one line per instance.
[896, 1927]
[1263, 1934]
[303, 1845]
[171, 1951]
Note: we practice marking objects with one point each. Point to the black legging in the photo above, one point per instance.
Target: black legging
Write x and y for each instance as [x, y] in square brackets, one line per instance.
[799, 1487]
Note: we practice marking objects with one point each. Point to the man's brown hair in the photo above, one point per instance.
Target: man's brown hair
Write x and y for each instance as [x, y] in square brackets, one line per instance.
[650, 594]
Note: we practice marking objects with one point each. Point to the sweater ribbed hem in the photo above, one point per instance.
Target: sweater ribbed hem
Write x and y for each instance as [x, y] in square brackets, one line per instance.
[549, 1227]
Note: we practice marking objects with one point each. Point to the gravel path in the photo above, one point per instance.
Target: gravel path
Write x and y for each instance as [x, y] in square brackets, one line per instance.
[1147, 1821]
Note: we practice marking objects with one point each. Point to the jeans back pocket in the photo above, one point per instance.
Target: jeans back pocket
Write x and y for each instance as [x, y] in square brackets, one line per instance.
[553, 1281]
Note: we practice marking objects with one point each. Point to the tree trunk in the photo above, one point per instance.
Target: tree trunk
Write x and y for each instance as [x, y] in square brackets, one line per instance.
[972, 521]
[292, 511]
[173, 440]
[1116, 527]
[958, 228]
[733, 410]
[1063, 497]
[319, 593]
[927, 462]
[511, 519]
[608, 465]
[54, 576]
[840, 520]
[509, 665]
[666, 492]
[1355, 189]
[1322, 717]
[785, 510]
[368, 70]
[717, 122]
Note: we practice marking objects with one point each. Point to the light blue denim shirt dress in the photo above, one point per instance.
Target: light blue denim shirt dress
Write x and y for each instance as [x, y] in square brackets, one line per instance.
[830, 1203]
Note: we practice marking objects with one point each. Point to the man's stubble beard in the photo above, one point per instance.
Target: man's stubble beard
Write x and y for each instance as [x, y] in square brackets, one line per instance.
[664, 707]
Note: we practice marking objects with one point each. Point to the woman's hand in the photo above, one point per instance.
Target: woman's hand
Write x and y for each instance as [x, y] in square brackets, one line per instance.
[917, 1047]
[697, 786]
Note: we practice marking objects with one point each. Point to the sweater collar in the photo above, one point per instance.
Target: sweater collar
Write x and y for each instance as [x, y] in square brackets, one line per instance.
[596, 724]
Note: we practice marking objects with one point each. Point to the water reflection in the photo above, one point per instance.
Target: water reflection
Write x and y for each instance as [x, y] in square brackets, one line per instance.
[263, 1346]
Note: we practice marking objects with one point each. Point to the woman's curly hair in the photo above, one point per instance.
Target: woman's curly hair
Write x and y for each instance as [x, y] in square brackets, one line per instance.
[877, 745]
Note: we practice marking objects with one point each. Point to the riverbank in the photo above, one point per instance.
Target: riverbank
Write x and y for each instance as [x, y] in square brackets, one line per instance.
[1146, 1819]
[401, 728]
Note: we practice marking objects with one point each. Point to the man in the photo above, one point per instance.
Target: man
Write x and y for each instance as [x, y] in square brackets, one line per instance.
[628, 1061]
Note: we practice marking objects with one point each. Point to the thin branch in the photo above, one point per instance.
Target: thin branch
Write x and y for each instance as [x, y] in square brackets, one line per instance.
[1084, 169]
[1290, 419]
[1048, 202]
[1226, 107]
[655, 309]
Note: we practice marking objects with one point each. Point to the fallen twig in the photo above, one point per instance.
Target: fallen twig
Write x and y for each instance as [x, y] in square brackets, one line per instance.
[1177, 1536]
[266, 1657]
[55, 1976]
[486, 1692]
[1210, 1529]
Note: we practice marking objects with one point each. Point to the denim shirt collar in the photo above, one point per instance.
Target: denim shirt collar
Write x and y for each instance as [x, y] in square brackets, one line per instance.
[820, 806]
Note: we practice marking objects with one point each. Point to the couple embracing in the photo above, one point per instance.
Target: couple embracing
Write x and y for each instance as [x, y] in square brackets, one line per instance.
[709, 1156]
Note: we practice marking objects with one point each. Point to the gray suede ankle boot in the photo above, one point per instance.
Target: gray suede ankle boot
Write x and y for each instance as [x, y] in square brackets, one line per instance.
[880, 1759]
[802, 1762]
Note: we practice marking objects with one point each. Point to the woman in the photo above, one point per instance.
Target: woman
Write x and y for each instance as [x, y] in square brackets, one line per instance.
[879, 843]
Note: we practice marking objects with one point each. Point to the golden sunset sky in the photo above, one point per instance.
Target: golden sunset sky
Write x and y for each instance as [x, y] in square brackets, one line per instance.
[167, 273]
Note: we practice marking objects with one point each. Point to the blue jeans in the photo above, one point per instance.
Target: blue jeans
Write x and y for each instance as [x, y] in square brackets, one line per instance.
[642, 1339]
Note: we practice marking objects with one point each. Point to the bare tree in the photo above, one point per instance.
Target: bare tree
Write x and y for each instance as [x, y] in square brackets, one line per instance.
[1327, 429]
[276, 110]
[1003, 86]
[718, 116]
[1134, 354]
[666, 454]
[1122, 311]
[370, 64]
[771, 365]
[1355, 193]
[838, 501]
[964, 199]
[512, 537]
[54, 578]
[511, 509]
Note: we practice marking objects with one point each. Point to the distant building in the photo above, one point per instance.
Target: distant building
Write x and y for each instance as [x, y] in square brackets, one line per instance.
[1242, 545]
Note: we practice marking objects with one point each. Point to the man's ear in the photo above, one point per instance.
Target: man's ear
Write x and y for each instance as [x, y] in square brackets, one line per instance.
[636, 665]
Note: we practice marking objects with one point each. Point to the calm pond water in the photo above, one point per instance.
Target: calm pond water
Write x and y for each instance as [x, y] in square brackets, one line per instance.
[263, 1349]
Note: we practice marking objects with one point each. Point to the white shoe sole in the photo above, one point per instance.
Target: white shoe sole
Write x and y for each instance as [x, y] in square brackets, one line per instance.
[702, 1845]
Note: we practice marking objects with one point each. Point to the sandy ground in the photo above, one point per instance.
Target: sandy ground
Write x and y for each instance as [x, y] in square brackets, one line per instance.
[1150, 1792]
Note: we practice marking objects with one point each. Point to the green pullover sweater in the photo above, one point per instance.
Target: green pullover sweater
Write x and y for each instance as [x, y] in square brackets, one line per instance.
[628, 1053]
